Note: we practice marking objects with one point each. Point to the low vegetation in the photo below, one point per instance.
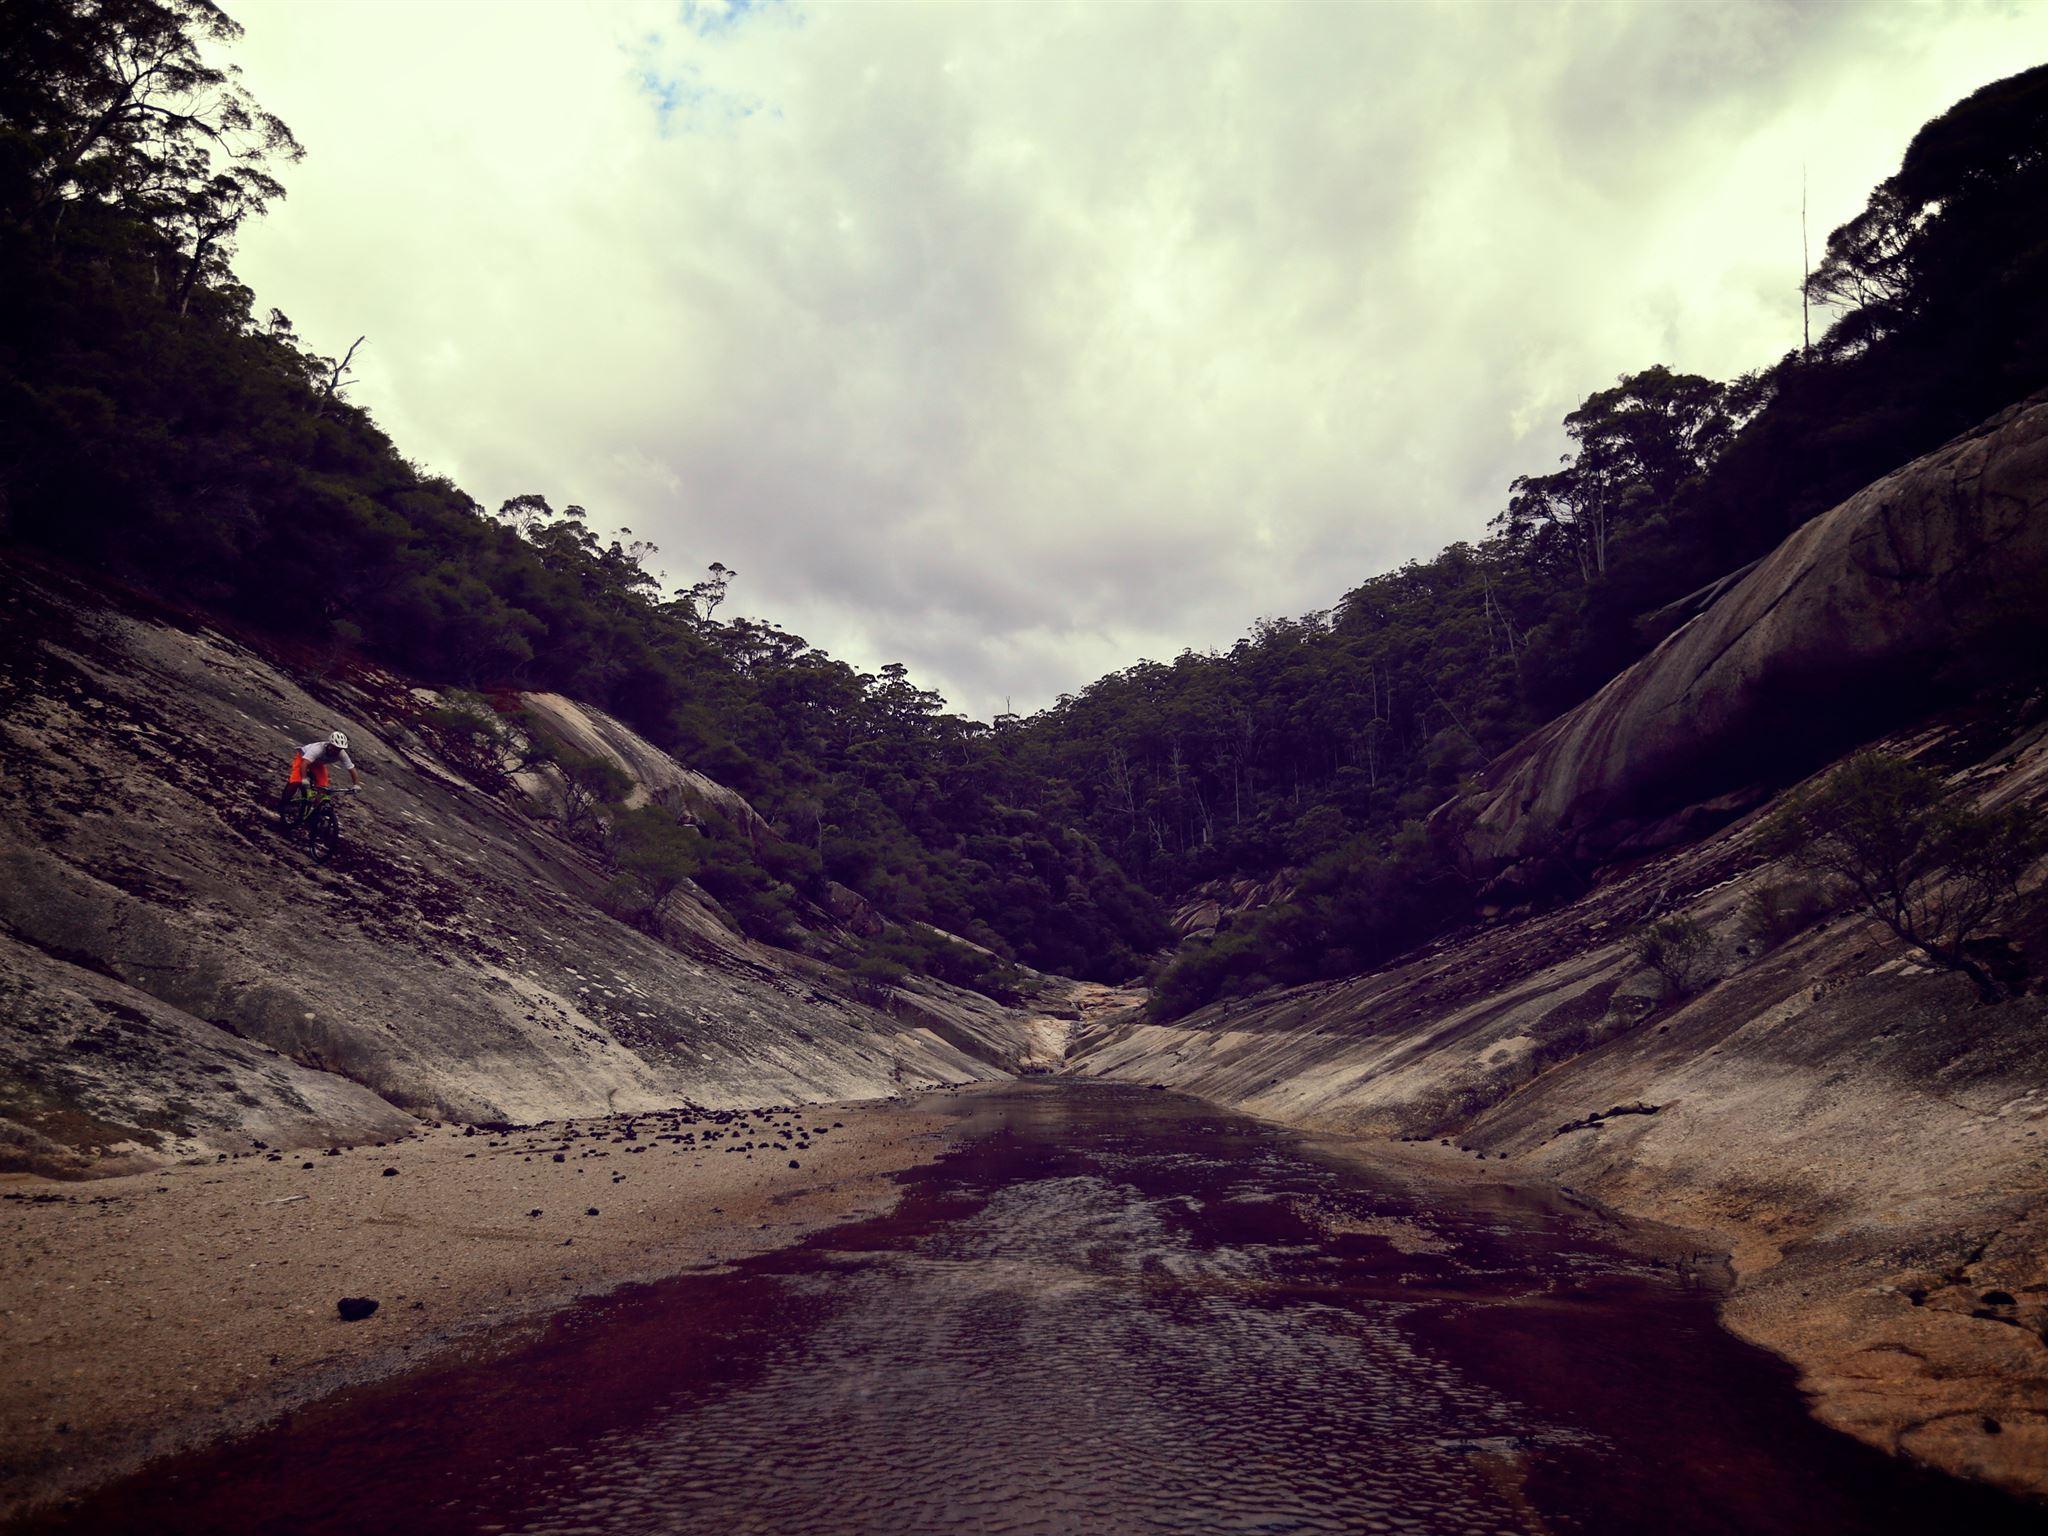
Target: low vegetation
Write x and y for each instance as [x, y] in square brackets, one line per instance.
[1355, 907]
[770, 887]
[1912, 852]
[1777, 911]
[475, 737]
[655, 856]
[907, 951]
[1679, 949]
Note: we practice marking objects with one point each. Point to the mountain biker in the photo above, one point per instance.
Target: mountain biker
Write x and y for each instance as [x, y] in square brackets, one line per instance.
[314, 757]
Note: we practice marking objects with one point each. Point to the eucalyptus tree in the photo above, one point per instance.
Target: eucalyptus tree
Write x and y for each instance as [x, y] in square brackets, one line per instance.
[120, 106]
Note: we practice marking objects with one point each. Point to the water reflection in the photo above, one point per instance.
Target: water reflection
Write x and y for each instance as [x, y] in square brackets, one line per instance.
[1107, 1311]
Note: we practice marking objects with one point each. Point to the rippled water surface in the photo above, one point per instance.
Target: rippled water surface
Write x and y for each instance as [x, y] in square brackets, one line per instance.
[1109, 1310]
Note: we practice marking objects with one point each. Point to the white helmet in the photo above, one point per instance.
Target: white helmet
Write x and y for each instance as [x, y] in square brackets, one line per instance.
[339, 740]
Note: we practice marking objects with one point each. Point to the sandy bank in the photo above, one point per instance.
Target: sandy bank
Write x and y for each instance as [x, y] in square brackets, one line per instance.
[147, 1314]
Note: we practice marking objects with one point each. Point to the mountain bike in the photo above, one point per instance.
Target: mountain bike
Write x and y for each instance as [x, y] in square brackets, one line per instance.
[312, 808]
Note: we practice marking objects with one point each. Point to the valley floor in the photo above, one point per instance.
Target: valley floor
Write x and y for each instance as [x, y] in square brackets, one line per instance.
[1104, 1308]
[160, 1311]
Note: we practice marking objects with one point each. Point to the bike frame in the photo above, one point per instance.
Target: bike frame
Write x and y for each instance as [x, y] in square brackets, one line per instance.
[298, 811]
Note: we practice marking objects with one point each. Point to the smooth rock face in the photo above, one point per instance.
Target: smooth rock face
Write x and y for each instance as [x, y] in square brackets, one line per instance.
[186, 979]
[654, 774]
[98, 1077]
[1853, 602]
[1867, 1144]
[1210, 905]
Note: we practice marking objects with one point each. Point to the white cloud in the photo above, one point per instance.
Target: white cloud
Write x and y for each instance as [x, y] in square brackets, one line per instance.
[1017, 342]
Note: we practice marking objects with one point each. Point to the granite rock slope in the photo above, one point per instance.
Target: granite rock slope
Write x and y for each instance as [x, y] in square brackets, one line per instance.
[653, 773]
[1866, 1145]
[1833, 619]
[183, 978]
[1863, 1144]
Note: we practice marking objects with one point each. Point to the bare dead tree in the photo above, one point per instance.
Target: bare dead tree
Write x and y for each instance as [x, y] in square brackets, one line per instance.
[337, 377]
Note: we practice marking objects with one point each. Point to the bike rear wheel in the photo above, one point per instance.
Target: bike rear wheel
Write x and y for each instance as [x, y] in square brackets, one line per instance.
[323, 833]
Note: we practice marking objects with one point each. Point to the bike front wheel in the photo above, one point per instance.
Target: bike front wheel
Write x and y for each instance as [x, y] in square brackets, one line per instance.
[323, 833]
[291, 805]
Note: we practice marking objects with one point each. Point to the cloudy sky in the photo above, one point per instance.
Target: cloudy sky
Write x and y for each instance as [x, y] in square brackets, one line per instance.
[1018, 342]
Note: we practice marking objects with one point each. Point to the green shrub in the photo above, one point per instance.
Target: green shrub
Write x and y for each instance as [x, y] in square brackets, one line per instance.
[1679, 950]
[924, 952]
[873, 976]
[653, 854]
[765, 908]
[478, 740]
[1913, 854]
[1358, 906]
[1228, 965]
[587, 784]
[1780, 910]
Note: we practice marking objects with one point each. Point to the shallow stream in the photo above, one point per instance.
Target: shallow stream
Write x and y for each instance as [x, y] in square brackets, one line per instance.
[1107, 1310]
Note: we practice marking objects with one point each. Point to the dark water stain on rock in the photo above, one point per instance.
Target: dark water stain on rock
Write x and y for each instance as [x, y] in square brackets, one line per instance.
[1106, 1310]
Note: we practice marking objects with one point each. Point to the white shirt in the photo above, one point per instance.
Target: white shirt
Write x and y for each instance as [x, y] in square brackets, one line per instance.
[327, 752]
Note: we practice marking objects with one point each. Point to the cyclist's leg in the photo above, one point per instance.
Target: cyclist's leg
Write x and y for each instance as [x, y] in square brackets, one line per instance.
[291, 803]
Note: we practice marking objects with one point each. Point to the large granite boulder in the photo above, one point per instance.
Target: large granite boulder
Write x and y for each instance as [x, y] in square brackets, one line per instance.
[1834, 633]
[654, 776]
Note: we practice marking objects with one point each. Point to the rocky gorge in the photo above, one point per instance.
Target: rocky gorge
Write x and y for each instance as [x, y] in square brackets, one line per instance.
[1864, 1141]
[1848, 1132]
[183, 980]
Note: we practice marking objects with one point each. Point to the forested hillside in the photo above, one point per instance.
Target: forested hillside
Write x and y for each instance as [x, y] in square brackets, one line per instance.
[155, 427]
[158, 429]
[1317, 742]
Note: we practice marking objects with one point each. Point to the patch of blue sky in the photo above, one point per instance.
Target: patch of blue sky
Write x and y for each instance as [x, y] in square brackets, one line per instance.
[710, 18]
[684, 103]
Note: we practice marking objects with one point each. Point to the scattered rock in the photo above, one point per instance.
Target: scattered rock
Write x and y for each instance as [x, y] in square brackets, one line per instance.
[1600, 1115]
[354, 1309]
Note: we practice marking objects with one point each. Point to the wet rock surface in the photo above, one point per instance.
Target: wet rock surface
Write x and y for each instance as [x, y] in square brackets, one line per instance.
[1107, 1309]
